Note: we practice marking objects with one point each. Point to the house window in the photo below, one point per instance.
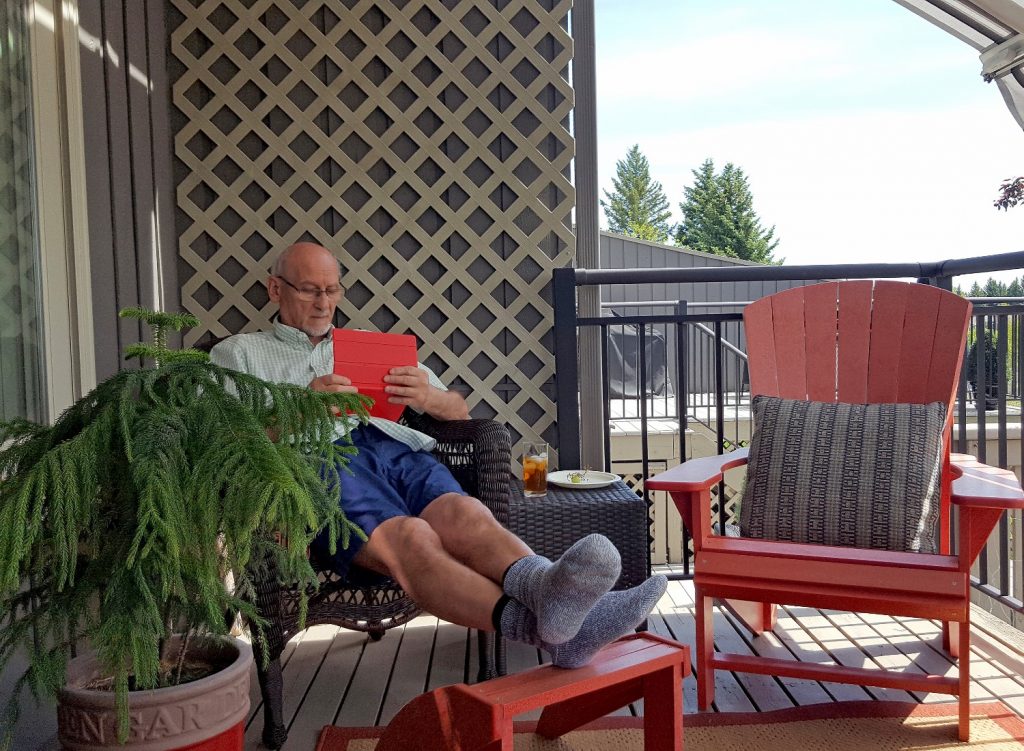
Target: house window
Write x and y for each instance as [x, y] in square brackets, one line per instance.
[21, 331]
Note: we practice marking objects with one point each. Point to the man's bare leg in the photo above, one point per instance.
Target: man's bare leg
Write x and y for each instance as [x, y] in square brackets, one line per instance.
[559, 594]
[408, 549]
[411, 551]
[471, 534]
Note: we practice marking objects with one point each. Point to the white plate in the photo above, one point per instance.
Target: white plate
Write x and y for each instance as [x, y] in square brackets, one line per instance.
[592, 480]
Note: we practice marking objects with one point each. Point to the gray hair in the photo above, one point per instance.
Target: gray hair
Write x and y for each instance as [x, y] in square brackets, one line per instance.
[277, 269]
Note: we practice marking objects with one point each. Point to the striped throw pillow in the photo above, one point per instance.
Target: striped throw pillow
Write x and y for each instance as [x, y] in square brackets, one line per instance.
[856, 475]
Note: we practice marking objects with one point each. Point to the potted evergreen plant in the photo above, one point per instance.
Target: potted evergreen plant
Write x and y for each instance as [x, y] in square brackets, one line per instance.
[121, 523]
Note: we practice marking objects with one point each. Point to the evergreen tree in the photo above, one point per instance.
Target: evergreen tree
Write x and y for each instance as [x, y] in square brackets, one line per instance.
[638, 206]
[705, 214]
[994, 288]
[719, 217]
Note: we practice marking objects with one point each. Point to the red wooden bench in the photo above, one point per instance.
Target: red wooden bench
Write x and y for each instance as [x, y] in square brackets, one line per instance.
[479, 717]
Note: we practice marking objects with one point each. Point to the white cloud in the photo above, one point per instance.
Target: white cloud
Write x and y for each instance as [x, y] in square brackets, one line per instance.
[876, 186]
[717, 66]
[865, 131]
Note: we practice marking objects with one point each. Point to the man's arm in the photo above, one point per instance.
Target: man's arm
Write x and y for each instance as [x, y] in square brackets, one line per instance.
[411, 386]
[227, 355]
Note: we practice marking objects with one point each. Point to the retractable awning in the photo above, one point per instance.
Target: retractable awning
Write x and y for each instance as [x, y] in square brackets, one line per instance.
[996, 29]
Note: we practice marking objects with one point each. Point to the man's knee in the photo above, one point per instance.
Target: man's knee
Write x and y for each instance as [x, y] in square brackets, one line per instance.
[456, 510]
[401, 537]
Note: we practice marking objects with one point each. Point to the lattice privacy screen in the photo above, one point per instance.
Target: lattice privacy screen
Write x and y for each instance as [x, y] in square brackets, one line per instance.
[427, 143]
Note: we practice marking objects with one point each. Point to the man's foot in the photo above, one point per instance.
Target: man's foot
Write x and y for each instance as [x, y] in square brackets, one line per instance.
[561, 594]
[615, 614]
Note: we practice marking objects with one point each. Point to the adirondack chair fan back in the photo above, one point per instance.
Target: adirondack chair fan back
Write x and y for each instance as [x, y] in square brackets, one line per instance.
[858, 342]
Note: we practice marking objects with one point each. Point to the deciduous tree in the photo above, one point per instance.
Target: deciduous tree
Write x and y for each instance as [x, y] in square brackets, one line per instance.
[1011, 192]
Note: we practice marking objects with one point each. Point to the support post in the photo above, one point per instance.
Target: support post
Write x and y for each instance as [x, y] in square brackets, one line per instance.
[566, 368]
[593, 421]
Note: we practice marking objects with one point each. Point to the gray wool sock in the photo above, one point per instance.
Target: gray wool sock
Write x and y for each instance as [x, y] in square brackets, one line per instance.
[616, 614]
[561, 594]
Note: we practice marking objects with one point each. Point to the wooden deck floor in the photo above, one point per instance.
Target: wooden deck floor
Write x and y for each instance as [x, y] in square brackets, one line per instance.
[334, 676]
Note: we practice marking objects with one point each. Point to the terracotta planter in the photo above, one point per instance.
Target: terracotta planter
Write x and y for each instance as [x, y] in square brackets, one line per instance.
[204, 715]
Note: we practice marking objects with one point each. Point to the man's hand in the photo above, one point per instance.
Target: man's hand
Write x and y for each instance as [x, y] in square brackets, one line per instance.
[410, 386]
[335, 384]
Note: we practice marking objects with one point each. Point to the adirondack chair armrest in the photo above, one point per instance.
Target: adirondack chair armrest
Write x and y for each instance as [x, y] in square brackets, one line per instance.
[696, 475]
[977, 485]
[690, 485]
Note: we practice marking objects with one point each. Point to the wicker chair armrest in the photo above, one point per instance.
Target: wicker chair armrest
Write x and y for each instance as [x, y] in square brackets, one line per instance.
[479, 453]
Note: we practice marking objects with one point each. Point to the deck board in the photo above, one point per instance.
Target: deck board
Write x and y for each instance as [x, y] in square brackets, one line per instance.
[368, 689]
[333, 676]
[729, 694]
[764, 691]
[304, 664]
[801, 692]
[799, 641]
[454, 659]
[324, 695]
[411, 666]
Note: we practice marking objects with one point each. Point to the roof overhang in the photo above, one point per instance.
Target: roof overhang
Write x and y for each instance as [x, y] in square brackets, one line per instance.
[993, 27]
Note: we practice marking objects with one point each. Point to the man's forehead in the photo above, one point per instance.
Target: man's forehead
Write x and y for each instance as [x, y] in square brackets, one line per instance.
[315, 264]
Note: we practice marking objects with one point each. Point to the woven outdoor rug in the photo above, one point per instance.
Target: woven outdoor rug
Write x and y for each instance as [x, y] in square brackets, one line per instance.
[846, 726]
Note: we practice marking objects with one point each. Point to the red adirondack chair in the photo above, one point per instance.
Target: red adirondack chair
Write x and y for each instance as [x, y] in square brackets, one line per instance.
[855, 342]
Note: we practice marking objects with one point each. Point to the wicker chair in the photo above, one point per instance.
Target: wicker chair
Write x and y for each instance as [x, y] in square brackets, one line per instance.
[478, 453]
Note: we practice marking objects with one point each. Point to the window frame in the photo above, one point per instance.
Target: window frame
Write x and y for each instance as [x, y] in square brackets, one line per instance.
[69, 365]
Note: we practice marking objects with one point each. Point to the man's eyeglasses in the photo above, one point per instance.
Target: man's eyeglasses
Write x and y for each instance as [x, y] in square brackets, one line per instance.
[311, 294]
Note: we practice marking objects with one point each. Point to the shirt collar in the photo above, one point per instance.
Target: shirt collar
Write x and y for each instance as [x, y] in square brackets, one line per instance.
[292, 335]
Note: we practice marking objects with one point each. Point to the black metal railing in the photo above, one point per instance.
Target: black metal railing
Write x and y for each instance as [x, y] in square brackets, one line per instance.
[667, 379]
[705, 362]
[990, 393]
[709, 388]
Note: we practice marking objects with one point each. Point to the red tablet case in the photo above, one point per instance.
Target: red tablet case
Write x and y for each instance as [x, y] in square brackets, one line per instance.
[366, 357]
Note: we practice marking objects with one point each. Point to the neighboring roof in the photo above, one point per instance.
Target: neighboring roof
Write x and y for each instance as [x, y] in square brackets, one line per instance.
[725, 260]
[994, 27]
[624, 252]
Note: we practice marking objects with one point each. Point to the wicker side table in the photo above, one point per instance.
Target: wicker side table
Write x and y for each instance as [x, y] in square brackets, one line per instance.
[551, 524]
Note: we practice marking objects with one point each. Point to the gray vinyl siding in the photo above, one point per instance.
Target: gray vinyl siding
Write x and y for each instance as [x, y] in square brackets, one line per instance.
[128, 168]
[621, 252]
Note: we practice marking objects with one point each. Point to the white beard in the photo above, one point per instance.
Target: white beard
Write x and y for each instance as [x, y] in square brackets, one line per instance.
[322, 331]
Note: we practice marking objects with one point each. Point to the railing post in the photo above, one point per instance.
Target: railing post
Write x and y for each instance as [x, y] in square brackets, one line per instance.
[723, 515]
[566, 367]
[981, 378]
[682, 370]
[683, 408]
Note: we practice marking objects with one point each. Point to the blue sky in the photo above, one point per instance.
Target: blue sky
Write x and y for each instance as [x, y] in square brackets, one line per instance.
[866, 132]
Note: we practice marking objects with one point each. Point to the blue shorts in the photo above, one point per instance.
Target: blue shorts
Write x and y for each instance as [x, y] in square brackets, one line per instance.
[389, 479]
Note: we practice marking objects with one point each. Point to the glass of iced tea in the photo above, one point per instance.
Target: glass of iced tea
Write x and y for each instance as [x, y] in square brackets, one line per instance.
[535, 468]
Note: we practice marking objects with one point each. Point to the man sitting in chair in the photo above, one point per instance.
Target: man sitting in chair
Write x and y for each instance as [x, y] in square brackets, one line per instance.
[443, 547]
